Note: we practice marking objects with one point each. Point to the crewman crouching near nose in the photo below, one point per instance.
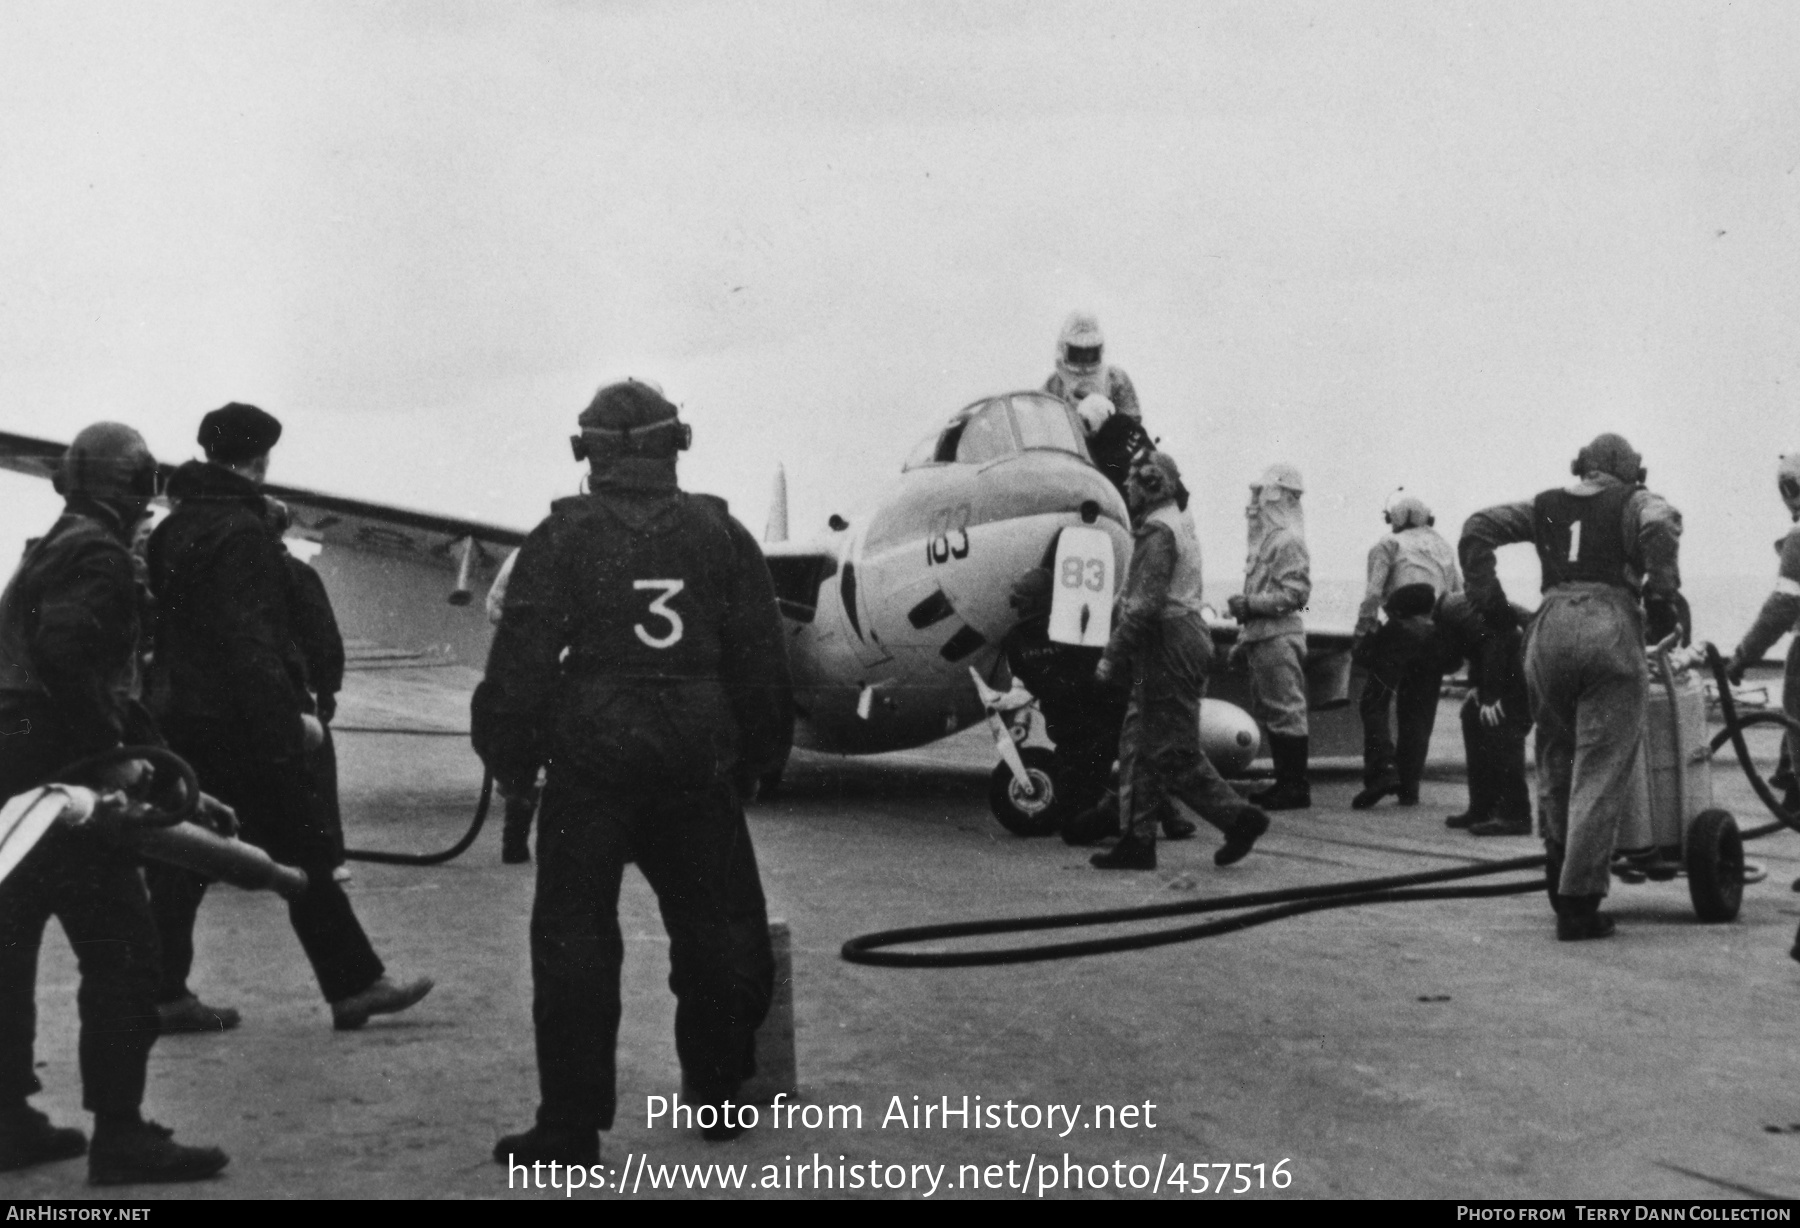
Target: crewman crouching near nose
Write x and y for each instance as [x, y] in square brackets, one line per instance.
[1496, 715]
[640, 656]
[1162, 644]
[69, 632]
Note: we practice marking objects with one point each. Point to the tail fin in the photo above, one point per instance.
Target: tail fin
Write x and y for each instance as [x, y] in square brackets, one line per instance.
[777, 530]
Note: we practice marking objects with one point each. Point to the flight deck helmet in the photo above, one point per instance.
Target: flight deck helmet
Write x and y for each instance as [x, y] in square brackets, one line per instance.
[630, 418]
[110, 463]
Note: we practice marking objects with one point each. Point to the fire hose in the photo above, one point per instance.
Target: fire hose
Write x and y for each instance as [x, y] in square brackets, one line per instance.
[1266, 906]
[160, 828]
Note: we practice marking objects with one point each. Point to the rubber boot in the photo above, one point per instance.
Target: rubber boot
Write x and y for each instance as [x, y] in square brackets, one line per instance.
[1291, 791]
[1131, 853]
[1582, 919]
[1175, 827]
[1477, 753]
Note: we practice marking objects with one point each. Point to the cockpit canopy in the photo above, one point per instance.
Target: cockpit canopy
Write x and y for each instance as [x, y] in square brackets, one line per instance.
[1001, 426]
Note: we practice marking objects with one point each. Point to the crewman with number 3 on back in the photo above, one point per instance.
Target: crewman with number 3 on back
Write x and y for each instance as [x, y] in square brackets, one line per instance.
[640, 659]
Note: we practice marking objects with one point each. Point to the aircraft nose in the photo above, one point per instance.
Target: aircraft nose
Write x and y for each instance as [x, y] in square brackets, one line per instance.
[1046, 482]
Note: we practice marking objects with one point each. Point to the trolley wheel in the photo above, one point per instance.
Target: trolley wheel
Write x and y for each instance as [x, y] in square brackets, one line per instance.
[1033, 812]
[1715, 866]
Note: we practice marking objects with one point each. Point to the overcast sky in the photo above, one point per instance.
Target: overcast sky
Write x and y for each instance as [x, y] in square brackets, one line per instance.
[1425, 244]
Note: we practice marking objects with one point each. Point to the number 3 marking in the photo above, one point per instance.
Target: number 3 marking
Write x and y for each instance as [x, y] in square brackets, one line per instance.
[659, 606]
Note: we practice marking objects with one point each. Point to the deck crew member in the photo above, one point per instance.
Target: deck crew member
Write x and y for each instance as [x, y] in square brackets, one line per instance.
[1271, 635]
[1603, 542]
[69, 640]
[1162, 645]
[1082, 371]
[1409, 569]
[1114, 440]
[231, 708]
[640, 657]
[1496, 715]
[515, 832]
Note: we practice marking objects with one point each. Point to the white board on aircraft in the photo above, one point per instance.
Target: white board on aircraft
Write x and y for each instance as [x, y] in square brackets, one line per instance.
[1082, 588]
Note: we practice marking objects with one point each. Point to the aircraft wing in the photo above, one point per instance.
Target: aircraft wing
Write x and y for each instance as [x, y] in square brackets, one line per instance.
[397, 577]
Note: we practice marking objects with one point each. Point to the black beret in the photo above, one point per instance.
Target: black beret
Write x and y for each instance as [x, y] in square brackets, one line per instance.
[237, 432]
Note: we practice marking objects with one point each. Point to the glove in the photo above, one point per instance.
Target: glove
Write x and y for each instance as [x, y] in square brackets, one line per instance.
[1734, 670]
[1660, 619]
[1238, 656]
[327, 705]
[1238, 606]
[1103, 672]
[1492, 714]
[217, 815]
[312, 733]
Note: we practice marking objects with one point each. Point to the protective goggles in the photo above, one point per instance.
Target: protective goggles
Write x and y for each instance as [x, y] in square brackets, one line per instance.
[1081, 355]
[596, 439]
[1789, 487]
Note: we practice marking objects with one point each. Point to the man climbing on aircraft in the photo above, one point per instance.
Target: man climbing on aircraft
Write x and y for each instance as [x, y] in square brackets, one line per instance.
[1161, 645]
[1114, 440]
[1080, 371]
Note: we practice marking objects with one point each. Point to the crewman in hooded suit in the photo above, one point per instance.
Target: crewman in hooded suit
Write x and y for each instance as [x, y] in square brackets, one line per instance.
[1609, 553]
[69, 628]
[1271, 635]
[1160, 642]
[1409, 569]
[228, 698]
[1081, 370]
[640, 657]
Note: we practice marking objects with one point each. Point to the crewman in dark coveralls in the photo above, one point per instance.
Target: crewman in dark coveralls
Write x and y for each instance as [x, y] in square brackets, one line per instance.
[69, 626]
[1161, 643]
[1601, 542]
[1496, 716]
[230, 707]
[639, 657]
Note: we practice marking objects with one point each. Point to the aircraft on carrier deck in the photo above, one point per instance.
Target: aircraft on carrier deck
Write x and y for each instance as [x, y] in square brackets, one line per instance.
[888, 613]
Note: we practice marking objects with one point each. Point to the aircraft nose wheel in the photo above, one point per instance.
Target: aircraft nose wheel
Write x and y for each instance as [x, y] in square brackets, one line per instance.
[1715, 866]
[1036, 811]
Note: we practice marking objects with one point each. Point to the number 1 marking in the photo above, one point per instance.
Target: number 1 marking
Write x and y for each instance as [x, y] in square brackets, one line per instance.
[1575, 542]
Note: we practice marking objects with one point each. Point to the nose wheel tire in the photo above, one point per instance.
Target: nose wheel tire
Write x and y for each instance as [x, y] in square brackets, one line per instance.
[1033, 811]
[1715, 866]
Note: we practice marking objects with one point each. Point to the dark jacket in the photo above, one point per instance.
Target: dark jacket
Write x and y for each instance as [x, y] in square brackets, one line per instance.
[317, 640]
[641, 645]
[69, 627]
[223, 635]
[1119, 440]
[1494, 648]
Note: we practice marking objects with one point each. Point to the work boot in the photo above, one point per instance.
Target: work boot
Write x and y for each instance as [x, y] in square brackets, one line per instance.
[1174, 827]
[1092, 825]
[1520, 826]
[141, 1152]
[1467, 818]
[1291, 791]
[1582, 919]
[382, 998]
[1131, 853]
[1376, 789]
[27, 1138]
[1407, 796]
[1794, 951]
[549, 1144]
[515, 847]
[190, 1014]
[1244, 834]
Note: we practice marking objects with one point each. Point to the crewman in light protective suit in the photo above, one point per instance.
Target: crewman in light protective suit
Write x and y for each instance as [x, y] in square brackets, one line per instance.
[1409, 569]
[1080, 371]
[1601, 542]
[1780, 614]
[1271, 635]
[1162, 640]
